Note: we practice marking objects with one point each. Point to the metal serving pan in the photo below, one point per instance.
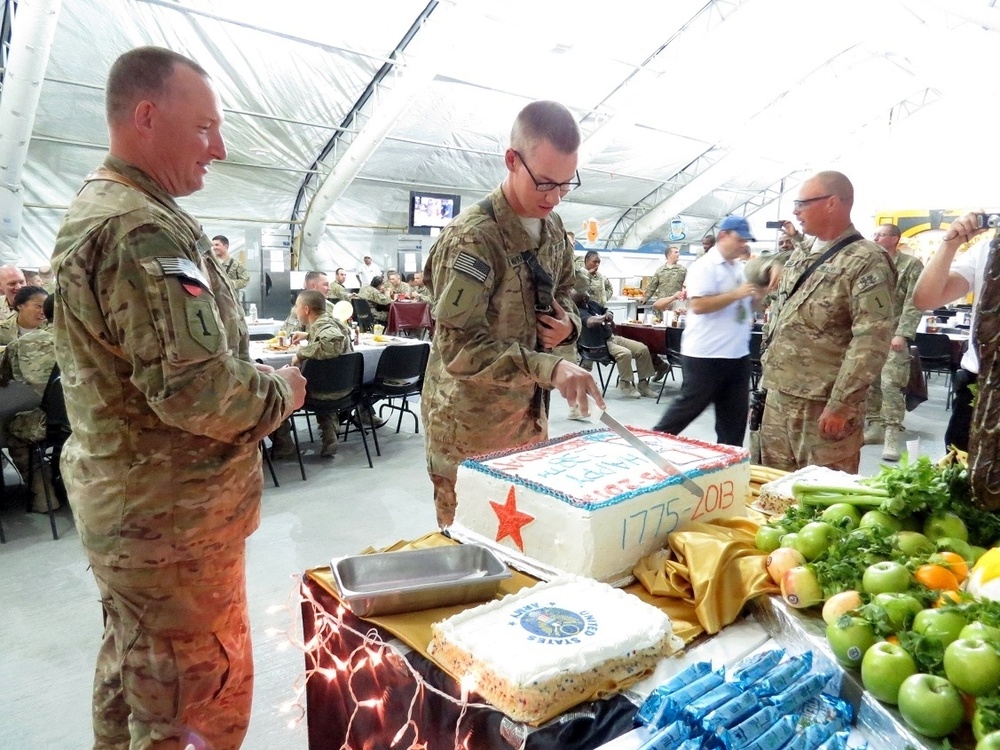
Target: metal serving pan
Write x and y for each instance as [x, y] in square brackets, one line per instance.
[391, 582]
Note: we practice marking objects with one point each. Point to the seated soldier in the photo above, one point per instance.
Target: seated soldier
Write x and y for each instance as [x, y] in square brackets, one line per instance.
[27, 315]
[327, 338]
[395, 287]
[29, 359]
[624, 351]
[377, 299]
[417, 289]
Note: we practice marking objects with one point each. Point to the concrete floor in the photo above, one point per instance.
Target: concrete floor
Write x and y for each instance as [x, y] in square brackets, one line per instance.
[52, 620]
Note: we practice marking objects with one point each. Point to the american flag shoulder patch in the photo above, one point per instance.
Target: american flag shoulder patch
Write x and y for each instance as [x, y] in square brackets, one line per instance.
[472, 266]
[184, 268]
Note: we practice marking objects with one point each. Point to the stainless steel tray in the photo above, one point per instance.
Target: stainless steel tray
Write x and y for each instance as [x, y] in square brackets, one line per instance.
[391, 582]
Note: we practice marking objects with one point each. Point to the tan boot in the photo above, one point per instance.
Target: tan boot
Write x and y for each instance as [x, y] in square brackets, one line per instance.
[874, 433]
[628, 390]
[890, 446]
[645, 390]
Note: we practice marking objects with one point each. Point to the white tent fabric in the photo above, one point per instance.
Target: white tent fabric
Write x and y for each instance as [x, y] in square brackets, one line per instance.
[690, 109]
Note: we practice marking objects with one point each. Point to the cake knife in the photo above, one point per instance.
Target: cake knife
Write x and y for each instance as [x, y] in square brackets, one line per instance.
[662, 463]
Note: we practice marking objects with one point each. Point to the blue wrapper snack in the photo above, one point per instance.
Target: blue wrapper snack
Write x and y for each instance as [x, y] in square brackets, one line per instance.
[776, 736]
[732, 713]
[755, 666]
[672, 705]
[683, 678]
[667, 738]
[793, 698]
[749, 729]
[783, 676]
[699, 708]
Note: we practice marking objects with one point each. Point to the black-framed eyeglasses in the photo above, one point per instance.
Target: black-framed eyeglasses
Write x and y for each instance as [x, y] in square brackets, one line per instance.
[546, 187]
[806, 201]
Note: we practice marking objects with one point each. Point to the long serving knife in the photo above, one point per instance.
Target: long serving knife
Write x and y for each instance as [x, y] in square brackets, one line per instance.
[661, 463]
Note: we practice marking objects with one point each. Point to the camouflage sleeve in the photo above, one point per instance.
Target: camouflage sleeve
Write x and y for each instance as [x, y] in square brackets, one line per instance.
[871, 290]
[910, 317]
[609, 290]
[174, 342]
[473, 348]
[6, 368]
[653, 287]
[239, 275]
[758, 270]
[326, 343]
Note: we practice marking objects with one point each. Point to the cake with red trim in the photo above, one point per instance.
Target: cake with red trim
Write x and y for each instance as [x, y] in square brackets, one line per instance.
[591, 505]
[539, 652]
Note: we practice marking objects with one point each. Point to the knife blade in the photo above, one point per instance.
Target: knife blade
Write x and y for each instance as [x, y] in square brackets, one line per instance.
[661, 463]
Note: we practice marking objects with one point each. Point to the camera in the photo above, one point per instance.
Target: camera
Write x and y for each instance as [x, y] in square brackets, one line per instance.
[987, 221]
[775, 225]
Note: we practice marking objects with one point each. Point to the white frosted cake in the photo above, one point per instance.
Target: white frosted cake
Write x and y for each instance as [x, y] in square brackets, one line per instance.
[589, 504]
[537, 653]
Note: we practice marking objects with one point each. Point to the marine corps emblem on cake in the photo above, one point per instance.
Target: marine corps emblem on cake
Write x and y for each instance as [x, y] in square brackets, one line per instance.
[554, 625]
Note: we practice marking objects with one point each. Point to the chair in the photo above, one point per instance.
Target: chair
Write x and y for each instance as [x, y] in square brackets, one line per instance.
[270, 464]
[340, 375]
[400, 373]
[673, 356]
[363, 314]
[592, 346]
[49, 448]
[935, 356]
[756, 340]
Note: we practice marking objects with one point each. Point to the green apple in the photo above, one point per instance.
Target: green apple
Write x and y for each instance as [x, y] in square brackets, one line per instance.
[913, 543]
[981, 630]
[880, 518]
[972, 665]
[899, 608]
[842, 515]
[839, 605]
[781, 561]
[814, 538]
[989, 741]
[931, 705]
[883, 669]
[945, 524]
[789, 539]
[885, 576]
[849, 639]
[800, 589]
[768, 538]
[943, 624]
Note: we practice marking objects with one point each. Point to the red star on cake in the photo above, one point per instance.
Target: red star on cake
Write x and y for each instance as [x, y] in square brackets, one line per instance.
[511, 519]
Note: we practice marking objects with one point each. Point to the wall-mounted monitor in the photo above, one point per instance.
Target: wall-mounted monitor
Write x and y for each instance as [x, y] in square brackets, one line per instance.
[429, 212]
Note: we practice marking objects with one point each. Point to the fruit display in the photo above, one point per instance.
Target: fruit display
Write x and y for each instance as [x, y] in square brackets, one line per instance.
[906, 571]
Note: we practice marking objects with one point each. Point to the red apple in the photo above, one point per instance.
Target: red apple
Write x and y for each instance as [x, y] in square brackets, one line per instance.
[782, 560]
[800, 588]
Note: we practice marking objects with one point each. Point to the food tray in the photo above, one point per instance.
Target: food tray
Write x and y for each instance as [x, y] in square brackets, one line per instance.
[391, 582]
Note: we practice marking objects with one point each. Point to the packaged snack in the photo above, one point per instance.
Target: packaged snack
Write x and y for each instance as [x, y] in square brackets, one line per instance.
[799, 693]
[698, 708]
[776, 736]
[749, 729]
[668, 738]
[671, 706]
[755, 666]
[732, 713]
[783, 676]
[683, 678]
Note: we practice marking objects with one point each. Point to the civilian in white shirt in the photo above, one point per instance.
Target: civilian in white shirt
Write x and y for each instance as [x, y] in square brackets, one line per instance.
[368, 271]
[945, 279]
[715, 345]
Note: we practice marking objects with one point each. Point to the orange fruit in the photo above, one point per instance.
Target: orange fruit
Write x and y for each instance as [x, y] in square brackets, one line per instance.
[894, 639]
[948, 597]
[936, 577]
[955, 563]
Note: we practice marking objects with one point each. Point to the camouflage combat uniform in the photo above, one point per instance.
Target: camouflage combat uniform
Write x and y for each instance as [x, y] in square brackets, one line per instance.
[292, 324]
[401, 288]
[29, 359]
[828, 343]
[328, 338]
[485, 378]
[238, 274]
[338, 292]
[162, 468]
[9, 329]
[423, 293]
[599, 288]
[376, 298]
[666, 281]
[5, 309]
[886, 399]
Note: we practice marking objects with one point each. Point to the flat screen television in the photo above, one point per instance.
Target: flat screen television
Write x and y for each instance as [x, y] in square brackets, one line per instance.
[429, 212]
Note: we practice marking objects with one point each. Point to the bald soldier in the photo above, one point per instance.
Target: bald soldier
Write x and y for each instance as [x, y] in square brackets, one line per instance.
[501, 274]
[829, 334]
[167, 409]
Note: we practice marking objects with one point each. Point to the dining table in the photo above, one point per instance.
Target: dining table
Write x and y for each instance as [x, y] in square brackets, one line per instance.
[370, 349]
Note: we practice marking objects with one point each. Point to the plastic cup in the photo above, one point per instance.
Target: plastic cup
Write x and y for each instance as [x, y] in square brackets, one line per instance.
[913, 448]
[378, 329]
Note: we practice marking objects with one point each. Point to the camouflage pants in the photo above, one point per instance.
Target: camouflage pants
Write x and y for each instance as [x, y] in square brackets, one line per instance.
[176, 665]
[625, 352]
[445, 501]
[790, 439]
[887, 399]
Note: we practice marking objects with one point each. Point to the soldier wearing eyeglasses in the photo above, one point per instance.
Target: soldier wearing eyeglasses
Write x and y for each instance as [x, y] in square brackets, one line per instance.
[828, 340]
[501, 274]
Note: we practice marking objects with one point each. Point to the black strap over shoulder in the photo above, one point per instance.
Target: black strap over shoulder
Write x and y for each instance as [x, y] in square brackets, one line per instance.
[823, 259]
[543, 279]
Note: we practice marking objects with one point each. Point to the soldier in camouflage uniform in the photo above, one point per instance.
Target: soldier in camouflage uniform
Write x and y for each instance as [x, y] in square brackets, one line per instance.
[826, 343]
[493, 272]
[417, 288]
[667, 282]
[11, 281]
[28, 314]
[314, 280]
[886, 400]
[598, 285]
[238, 274]
[162, 468]
[395, 286]
[337, 291]
[377, 299]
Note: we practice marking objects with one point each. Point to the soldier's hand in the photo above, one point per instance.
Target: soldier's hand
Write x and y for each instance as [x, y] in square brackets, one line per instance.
[575, 384]
[789, 228]
[293, 376]
[298, 336]
[553, 329]
[898, 344]
[832, 426]
[963, 230]
[261, 367]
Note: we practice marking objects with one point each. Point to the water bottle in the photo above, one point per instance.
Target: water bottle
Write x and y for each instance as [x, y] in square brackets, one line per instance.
[253, 313]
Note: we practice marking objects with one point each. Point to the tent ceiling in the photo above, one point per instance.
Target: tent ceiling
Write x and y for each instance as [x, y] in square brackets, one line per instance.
[717, 100]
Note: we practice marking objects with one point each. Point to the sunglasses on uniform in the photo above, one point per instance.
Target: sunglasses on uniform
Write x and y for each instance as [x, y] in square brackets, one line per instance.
[545, 187]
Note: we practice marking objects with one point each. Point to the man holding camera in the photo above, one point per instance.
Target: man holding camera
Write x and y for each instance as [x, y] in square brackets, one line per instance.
[828, 337]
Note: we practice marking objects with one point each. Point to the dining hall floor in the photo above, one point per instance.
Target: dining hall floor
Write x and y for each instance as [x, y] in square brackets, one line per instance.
[51, 619]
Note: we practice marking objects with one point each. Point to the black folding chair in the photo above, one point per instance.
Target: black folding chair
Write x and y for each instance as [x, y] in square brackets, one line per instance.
[935, 356]
[363, 314]
[592, 346]
[673, 339]
[48, 450]
[342, 377]
[756, 339]
[400, 373]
